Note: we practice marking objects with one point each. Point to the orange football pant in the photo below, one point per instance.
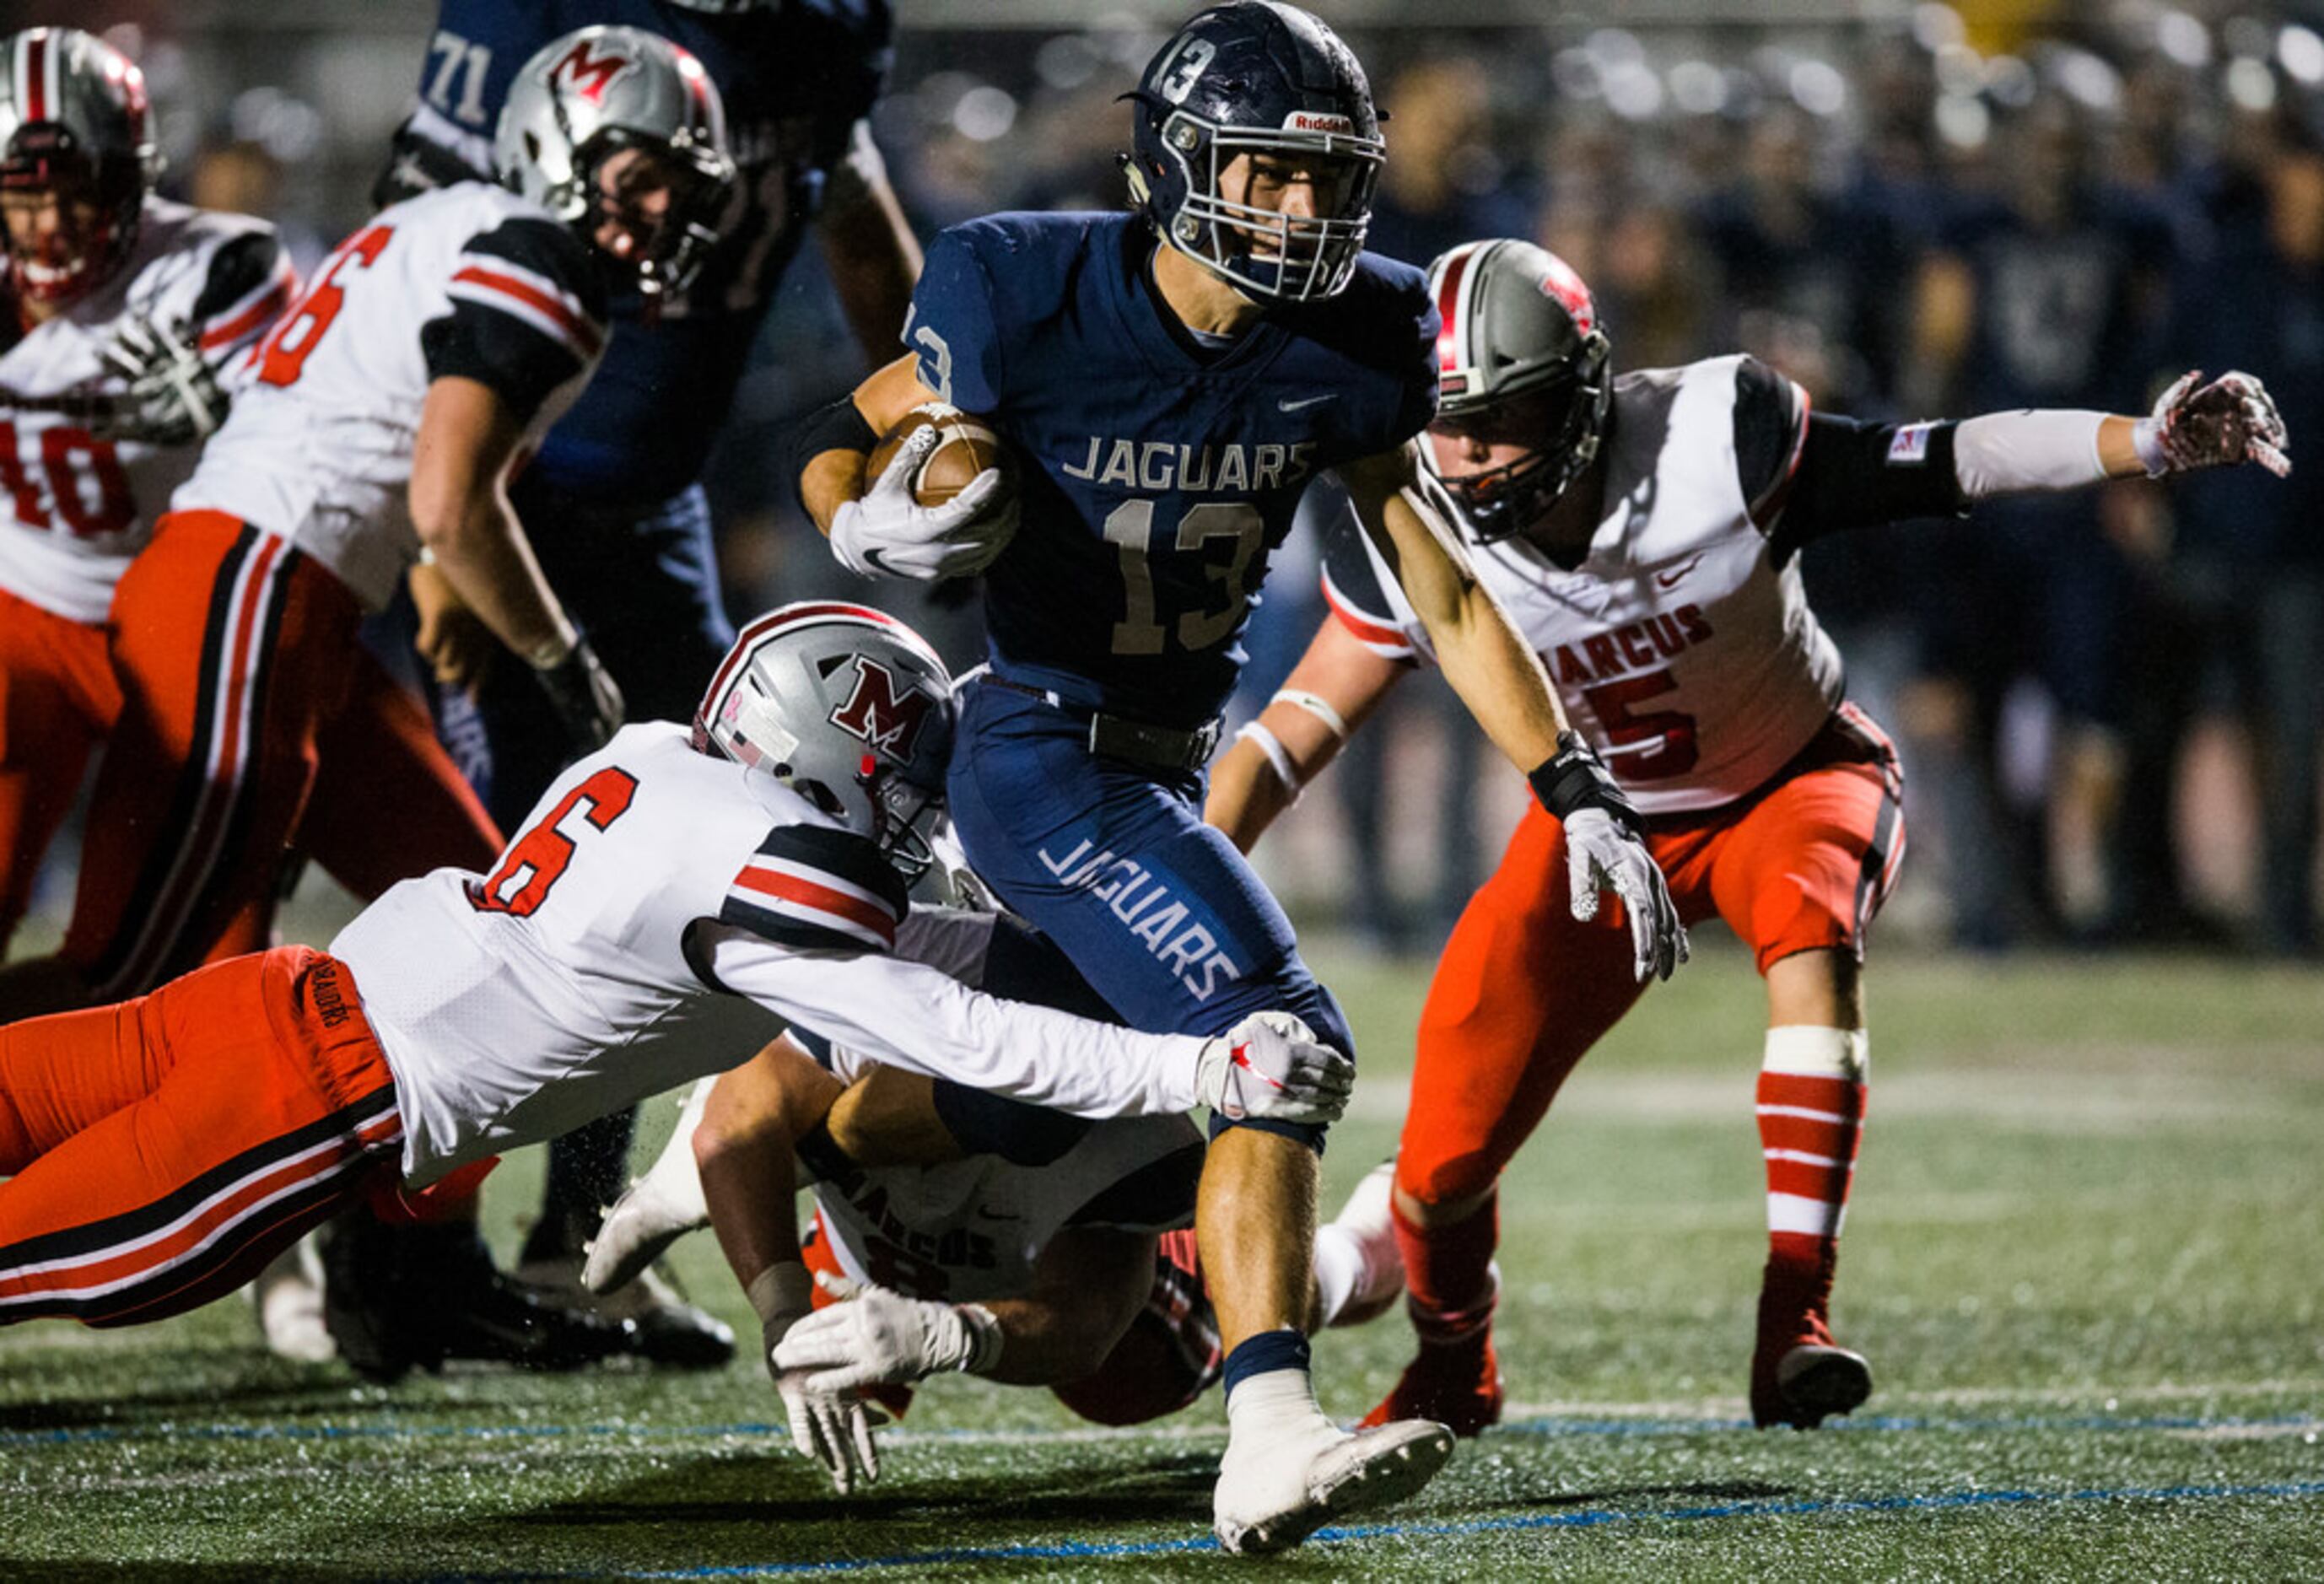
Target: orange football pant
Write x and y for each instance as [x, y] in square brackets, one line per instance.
[58, 701]
[251, 718]
[160, 1152]
[1524, 989]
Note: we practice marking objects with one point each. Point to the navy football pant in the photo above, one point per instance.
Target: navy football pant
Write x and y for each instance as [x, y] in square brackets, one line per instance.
[1111, 861]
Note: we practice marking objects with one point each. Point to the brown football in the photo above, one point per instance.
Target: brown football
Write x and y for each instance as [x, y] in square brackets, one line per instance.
[967, 447]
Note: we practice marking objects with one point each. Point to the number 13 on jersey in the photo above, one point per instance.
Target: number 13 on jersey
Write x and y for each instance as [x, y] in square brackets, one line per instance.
[1130, 529]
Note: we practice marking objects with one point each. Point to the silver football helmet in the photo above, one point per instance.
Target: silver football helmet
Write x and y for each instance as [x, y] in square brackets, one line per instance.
[73, 121]
[847, 707]
[601, 90]
[1521, 354]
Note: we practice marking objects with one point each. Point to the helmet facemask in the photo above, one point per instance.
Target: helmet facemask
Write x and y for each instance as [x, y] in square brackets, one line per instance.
[1268, 253]
[699, 179]
[74, 135]
[1560, 420]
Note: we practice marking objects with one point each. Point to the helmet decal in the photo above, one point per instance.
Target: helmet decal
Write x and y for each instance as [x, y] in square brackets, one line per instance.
[888, 717]
[577, 71]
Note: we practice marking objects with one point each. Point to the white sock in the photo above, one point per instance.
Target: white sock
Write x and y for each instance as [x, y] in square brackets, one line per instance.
[1276, 1405]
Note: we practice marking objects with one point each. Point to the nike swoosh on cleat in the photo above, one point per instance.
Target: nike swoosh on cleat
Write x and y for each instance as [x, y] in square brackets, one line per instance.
[1282, 406]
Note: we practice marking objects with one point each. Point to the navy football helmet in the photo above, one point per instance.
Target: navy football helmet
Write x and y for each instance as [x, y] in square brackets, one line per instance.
[1521, 355]
[1254, 78]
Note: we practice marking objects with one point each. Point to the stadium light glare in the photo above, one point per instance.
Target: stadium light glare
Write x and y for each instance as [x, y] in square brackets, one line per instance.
[2301, 50]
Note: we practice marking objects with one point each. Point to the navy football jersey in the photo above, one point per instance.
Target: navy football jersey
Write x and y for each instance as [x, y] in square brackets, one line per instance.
[1159, 475]
[795, 77]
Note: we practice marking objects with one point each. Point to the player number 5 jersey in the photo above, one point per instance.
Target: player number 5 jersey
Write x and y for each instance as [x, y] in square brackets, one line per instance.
[1682, 650]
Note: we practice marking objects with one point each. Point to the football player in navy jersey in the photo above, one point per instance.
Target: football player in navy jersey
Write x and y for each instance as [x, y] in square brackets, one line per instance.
[631, 551]
[1172, 380]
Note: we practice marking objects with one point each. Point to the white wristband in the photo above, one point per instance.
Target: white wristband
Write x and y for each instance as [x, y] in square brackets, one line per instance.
[1279, 757]
[1316, 704]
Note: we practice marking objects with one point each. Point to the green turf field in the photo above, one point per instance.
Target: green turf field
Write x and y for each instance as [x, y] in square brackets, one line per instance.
[2085, 1258]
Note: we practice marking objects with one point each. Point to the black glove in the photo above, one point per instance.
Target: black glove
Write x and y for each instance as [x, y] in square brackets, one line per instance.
[581, 691]
[171, 395]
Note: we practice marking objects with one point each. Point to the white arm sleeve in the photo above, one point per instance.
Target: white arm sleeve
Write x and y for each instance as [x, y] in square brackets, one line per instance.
[2048, 448]
[911, 1015]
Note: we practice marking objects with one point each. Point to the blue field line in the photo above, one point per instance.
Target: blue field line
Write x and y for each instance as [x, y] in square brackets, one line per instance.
[1551, 1426]
[1590, 1518]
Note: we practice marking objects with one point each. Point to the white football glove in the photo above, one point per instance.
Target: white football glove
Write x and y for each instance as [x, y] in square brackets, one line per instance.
[1601, 855]
[2231, 419]
[886, 533]
[171, 395]
[827, 1429]
[1606, 851]
[879, 1337]
[1271, 1067]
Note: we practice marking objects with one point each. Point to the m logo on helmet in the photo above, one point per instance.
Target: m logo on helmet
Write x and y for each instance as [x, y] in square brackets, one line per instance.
[889, 719]
[587, 75]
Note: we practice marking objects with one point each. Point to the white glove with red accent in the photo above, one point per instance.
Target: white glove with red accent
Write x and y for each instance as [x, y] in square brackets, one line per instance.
[889, 534]
[1270, 1066]
[2231, 419]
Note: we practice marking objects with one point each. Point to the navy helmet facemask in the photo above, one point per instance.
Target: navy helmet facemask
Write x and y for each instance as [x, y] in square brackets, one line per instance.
[1269, 85]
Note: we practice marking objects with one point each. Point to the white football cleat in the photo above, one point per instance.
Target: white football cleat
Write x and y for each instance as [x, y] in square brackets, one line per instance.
[660, 1208]
[1366, 1221]
[289, 1297]
[1267, 1501]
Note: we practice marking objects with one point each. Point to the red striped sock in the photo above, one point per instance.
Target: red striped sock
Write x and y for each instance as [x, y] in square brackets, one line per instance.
[1811, 1105]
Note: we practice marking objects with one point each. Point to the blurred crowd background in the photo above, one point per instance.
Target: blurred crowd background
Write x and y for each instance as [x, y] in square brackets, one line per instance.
[2109, 706]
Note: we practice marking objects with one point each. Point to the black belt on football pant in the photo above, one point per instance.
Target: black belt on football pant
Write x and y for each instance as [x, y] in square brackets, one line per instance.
[1139, 742]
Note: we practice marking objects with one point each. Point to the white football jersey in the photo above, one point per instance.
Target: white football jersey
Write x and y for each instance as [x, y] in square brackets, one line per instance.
[1683, 652]
[973, 1229]
[664, 914]
[470, 280]
[74, 508]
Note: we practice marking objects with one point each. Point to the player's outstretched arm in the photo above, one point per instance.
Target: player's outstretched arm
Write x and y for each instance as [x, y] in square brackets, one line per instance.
[1500, 678]
[744, 1148]
[1332, 691]
[913, 1016]
[460, 458]
[1856, 474]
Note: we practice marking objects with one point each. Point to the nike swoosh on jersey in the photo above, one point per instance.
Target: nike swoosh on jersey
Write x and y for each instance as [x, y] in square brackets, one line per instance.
[1672, 578]
[1282, 406]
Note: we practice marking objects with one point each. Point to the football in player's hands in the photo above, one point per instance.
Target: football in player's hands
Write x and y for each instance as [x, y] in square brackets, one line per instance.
[964, 447]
